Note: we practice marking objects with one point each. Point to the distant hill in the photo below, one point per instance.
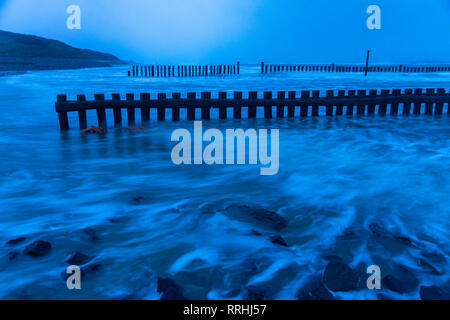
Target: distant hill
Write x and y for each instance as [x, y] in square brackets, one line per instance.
[26, 52]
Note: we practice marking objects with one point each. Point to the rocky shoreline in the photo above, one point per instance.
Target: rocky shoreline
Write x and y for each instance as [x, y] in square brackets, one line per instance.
[340, 274]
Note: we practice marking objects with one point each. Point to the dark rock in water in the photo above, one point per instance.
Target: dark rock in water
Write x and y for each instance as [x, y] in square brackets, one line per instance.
[78, 259]
[93, 129]
[12, 255]
[433, 293]
[349, 234]
[379, 230]
[91, 233]
[434, 256]
[169, 289]
[406, 241]
[89, 269]
[277, 239]
[13, 242]
[259, 216]
[256, 293]
[429, 267]
[332, 257]
[340, 277]
[404, 281]
[390, 240]
[38, 248]
[314, 290]
[138, 199]
[256, 232]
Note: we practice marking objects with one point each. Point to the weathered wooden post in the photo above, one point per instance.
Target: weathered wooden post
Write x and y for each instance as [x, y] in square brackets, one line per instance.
[222, 108]
[440, 105]
[262, 67]
[206, 110]
[291, 105]
[252, 95]
[371, 106]
[394, 105]
[329, 106]
[281, 95]
[101, 114]
[238, 67]
[62, 115]
[82, 112]
[407, 105]
[383, 106]
[350, 105]
[134, 71]
[367, 62]
[428, 104]
[340, 106]
[315, 106]
[191, 106]
[129, 73]
[237, 109]
[304, 106]
[117, 111]
[361, 107]
[175, 108]
[161, 113]
[130, 110]
[267, 104]
[417, 101]
[145, 110]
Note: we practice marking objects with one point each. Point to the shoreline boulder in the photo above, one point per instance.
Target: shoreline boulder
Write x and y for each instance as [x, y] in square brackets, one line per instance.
[38, 248]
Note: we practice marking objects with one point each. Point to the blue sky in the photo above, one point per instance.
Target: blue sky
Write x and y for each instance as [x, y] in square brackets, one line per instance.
[224, 31]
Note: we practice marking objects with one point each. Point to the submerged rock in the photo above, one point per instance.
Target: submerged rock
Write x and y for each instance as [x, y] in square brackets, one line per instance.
[15, 241]
[390, 240]
[91, 233]
[138, 199]
[261, 217]
[429, 267]
[78, 259]
[256, 293]
[277, 239]
[433, 293]
[169, 289]
[434, 256]
[95, 130]
[314, 290]
[340, 277]
[403, 282]
[379, 230]
[38, 248]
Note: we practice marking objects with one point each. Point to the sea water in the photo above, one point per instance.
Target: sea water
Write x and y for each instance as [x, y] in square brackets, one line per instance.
[118, 197]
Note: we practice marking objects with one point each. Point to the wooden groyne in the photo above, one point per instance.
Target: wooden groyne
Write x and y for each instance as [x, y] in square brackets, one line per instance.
[183, 70]
[269, 68]
[285, 104]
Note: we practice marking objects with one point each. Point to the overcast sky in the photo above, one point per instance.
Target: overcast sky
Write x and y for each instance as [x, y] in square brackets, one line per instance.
[222, 31]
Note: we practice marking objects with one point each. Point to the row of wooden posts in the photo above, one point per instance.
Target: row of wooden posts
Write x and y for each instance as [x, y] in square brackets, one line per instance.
[183, 70]
[352, 68]
[308, 103]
